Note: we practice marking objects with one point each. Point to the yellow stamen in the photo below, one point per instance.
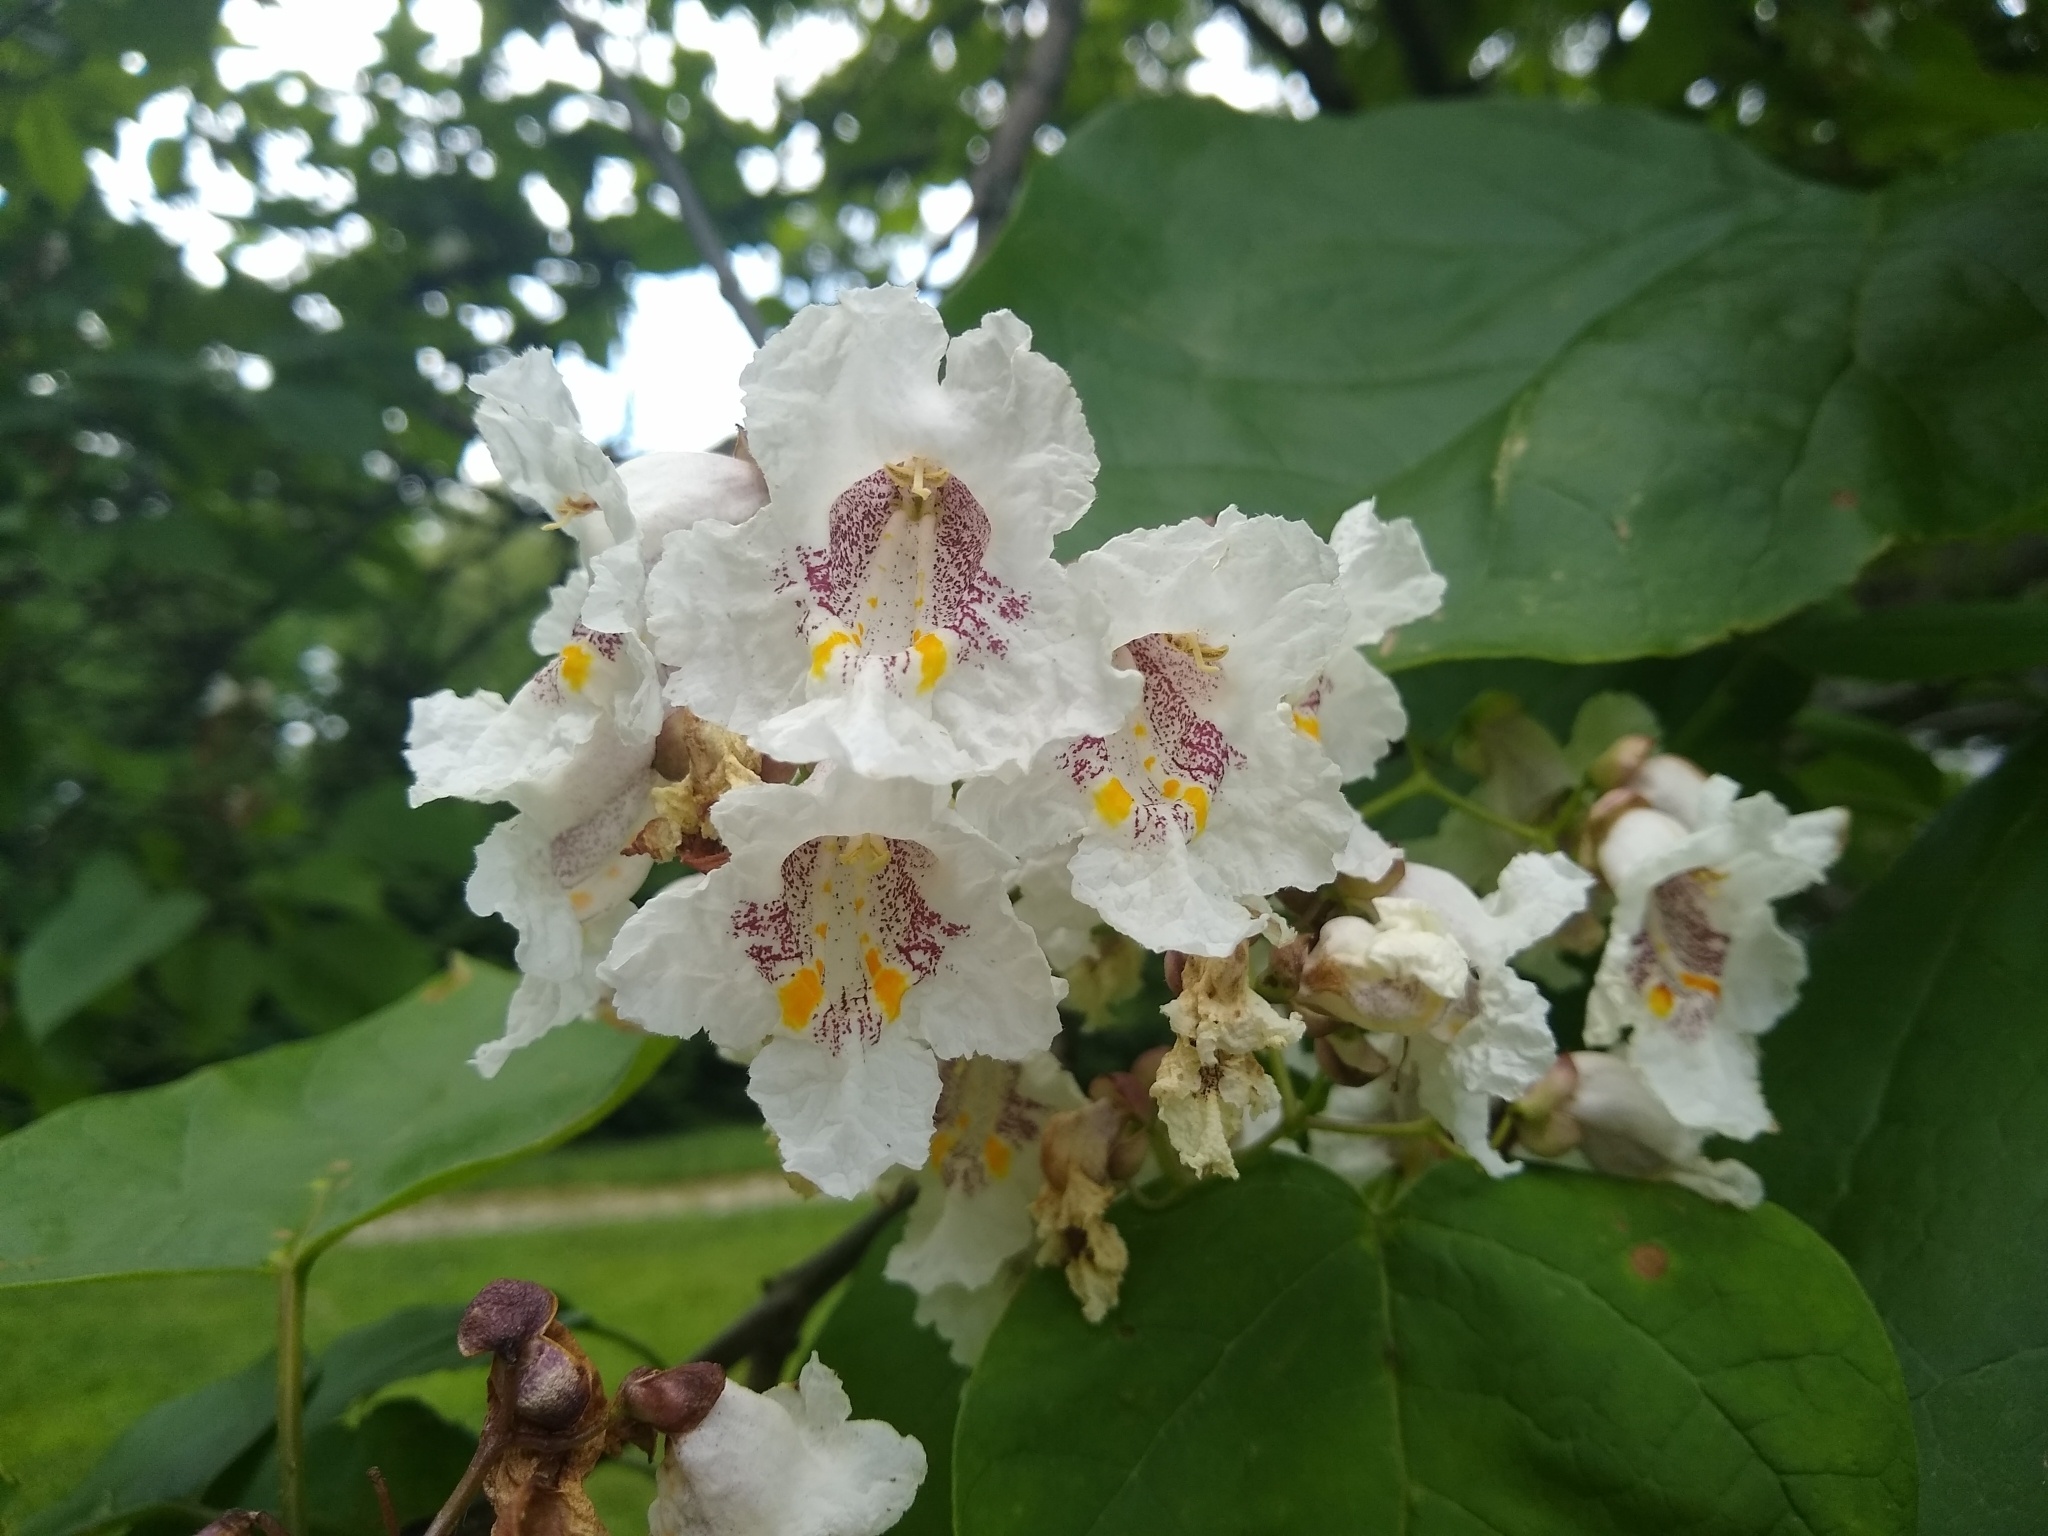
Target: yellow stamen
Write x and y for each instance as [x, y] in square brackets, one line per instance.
[931, 660]
[1113, 802]
[995, 1155]
[821, 653]
[1205, 655]
[887, 983]
[800, 995]
[576, 663]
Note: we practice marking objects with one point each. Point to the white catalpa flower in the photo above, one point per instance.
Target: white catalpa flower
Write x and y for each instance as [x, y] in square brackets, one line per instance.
[1351, 707]
[595, 706]
[529, 422]
[896, 607]
[1431, 966]
[860, 932]
[966, 1245]
[1044, 898]
[1205, 794]
[1594, 1109]
[1696, 966]
[792, 1461]
[557, 874]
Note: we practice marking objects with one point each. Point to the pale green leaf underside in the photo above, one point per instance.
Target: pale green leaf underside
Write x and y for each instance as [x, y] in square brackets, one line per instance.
[269, 1158]
[1552, 1355]
[1638, 387]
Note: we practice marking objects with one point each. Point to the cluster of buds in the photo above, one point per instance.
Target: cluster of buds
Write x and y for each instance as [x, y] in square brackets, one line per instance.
[1086, 1156]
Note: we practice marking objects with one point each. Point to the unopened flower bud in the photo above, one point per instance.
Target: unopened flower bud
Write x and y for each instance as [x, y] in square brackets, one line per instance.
[674, 1401]
[1358, 892]
[1349, 1058]
[1544, 1124]
[554, 1386]
[1621, 762]
[504, 1315]
[1283, 965]
[1401, 974]
[1176, 964]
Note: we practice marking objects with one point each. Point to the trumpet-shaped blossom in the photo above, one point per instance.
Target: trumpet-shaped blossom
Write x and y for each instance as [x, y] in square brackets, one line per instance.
[1431, 966]
[558, 875]
[964, 1248]
[860, 933]
[792, 1461]
[529, 422]
[1205, 793]
[1386, 581]
[1696, 966]
[895, 607]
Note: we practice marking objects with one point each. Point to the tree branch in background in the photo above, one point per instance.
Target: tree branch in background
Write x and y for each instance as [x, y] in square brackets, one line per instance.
[1422, 61]
[1033, 99]
[766, 1334]
[1314, 57]
[668, 165]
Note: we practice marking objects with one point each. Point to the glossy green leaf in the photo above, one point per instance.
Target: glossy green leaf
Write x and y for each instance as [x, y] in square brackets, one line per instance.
[1923, 642]
[900, 1373]
[1912, 1085]
[1549, 1355]
[50, 150]
[172, 1457]
[1638, 387]
[268, 1159]
[108, 927]
[169, 1456]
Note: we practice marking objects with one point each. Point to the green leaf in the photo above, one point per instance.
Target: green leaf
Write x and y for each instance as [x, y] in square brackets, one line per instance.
[899, 1372]
[173, 1455]
[269, 1159]
[421, 1455]
[1638, 388]
[1554, 1353]
[1920, 643]
[109, 926]
[50, 151]
[413, 1341]
[169, 1456]
[1912, 1085]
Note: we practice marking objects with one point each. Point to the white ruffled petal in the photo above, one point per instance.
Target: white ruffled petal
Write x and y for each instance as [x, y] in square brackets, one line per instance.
[1384, 573]
[668, 491]
[541, 1004]
[1161, 895]
[844, 1118]
[788, 1462]
[553, 629]
[1355, 711]
[677, 969]
[529, 423]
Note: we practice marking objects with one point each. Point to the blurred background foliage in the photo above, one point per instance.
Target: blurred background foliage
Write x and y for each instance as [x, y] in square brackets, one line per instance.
[236, 535]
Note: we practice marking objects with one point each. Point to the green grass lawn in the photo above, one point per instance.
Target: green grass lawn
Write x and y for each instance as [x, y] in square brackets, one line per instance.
[84, 1361]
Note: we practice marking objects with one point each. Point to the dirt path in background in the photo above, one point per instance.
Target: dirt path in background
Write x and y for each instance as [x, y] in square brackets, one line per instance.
[600, 1205]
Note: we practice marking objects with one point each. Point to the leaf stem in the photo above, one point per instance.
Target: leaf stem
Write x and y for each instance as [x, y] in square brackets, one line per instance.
[1422, 781]
[291, 1395]
[1422, 1127]
[1290, 1101]
[1415, 784]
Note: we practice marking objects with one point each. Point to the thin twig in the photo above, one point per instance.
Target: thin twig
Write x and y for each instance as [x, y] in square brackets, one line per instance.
[1032, 100]
[766, 1334]
[1314, 57]
[668, 165]
[385, 1512]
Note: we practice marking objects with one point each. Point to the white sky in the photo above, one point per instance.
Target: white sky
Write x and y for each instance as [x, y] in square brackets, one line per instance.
[673, 380]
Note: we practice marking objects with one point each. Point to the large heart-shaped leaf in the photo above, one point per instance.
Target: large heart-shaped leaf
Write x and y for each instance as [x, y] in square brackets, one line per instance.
[266, 1160]
[1638, 387]
[1912, 1084]
[1550, 1355]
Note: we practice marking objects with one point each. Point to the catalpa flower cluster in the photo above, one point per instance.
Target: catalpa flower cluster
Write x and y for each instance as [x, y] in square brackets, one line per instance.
[922, 776]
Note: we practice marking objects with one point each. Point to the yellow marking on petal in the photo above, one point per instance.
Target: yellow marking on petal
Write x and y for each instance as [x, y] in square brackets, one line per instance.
[576, 662]
[1170, 789]
[874, 602]
[1700, 983]
[1138, 730]
[942, 1143]
[581, 900]
[860, 904]
[821, 653]
[1196, 799]
[1308, 725]
[1113, 802]
[800, 995]
[822, 929]
[995, 1155]
[931, 660]
[1660, 1000]
[887, 983]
